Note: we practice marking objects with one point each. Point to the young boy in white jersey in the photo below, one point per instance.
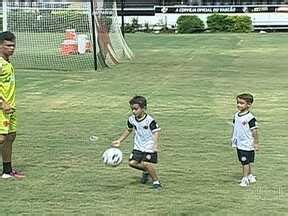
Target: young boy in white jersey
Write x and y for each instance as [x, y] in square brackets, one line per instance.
[146, 137]
[245, 137]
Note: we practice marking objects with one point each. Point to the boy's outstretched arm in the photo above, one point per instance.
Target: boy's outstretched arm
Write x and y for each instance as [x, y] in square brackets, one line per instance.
[124, 135]
[156, 137]
[255, 138]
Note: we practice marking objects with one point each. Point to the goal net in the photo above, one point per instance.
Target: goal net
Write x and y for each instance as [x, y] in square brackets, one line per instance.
[111, 44]
[66, 36]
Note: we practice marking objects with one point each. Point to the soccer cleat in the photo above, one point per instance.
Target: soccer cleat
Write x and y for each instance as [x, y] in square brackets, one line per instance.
[7, 176]
[145, 178]
[244, 182]
[251, 178]
[13, 175]
[157, 186]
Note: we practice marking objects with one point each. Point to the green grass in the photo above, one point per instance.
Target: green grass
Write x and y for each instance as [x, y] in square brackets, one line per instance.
[191, 82]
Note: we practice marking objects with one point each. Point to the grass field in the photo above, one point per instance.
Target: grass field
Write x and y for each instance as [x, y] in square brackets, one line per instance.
[190, 82]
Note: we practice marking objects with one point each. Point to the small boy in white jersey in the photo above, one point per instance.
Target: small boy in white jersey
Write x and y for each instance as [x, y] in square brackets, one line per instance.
[245, 137]
[146, 137]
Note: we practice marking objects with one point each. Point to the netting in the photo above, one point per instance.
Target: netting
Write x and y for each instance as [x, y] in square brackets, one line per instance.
[59, 36]
[111, 44]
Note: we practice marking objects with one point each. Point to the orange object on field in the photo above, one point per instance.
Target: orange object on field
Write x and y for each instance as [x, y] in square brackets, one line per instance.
[70, 34]
[68, 47]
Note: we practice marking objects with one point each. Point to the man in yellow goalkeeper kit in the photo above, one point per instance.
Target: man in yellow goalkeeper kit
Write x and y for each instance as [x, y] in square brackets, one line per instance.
[7, 104]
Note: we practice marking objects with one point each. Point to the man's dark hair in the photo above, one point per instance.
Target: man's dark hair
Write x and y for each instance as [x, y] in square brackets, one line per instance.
[139, 100]
[247, 97]
[7, 35]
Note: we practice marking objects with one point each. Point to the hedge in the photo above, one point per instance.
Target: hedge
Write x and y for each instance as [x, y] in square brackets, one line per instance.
[225, 23]
[241, 24]
[190, 24]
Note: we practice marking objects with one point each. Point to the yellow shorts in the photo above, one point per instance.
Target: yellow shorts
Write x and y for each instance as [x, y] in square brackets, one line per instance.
[7, 123]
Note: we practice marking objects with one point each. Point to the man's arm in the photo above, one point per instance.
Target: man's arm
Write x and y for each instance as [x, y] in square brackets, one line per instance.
[5, 106]
[1, 101]
[255, 139]
[125, 134]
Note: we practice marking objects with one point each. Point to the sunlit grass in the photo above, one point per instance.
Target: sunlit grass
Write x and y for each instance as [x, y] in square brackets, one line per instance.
[190, 82]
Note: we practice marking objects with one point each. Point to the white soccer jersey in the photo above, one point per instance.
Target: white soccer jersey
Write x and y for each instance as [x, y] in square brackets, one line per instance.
[143, 132]
[242, 135]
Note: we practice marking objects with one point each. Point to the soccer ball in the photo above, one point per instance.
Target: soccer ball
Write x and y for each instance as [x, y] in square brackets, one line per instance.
[112, 157]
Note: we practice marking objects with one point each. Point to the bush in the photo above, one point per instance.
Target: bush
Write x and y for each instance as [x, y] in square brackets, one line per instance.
[241, 24]
[189, 24]
[128, 28]
[224, 23]
[147, 29]
[218, 23]
[167, 30]
[135, 24]
[133, 27]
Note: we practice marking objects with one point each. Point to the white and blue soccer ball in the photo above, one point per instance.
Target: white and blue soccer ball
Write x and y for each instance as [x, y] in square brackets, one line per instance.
[112, 157]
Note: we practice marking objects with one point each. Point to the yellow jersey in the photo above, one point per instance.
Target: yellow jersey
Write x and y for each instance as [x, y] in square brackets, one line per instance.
[7, 82]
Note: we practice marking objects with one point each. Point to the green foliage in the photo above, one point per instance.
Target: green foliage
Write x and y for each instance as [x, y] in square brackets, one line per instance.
[132, 27]
[190, 24]
[167, 30]
[225, 23]
[218, 23]
[135, 23]
[147, 29]
[128, 28]
[241, 24]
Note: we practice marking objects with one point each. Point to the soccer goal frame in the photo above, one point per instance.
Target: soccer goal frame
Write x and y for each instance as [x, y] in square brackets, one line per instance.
[107, 45]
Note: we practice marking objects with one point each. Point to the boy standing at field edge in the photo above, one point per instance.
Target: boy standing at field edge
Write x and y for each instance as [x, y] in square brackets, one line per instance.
[146, 137]
[245, 137]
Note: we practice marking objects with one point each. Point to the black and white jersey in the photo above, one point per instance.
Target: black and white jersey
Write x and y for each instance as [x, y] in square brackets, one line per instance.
[242, 135]
[143, 132]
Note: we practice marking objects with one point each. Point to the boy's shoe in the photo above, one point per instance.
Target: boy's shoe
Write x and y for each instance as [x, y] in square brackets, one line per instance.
[244, 182]
[157, 186]
[13, 175]
[251, 178]
[7, 176]
[145, 178]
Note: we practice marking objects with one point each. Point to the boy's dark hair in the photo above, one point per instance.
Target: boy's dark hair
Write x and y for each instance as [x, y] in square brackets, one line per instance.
[247, 97]
[139, 100]
[7, 35]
